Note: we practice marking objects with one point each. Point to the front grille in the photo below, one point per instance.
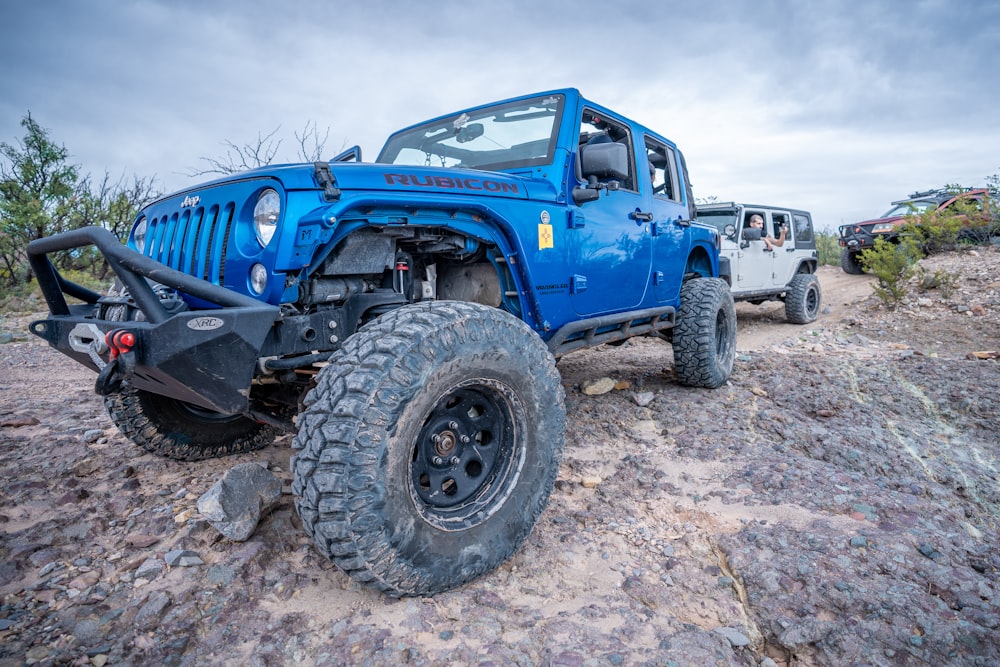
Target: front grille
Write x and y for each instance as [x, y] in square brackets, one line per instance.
[193, 241]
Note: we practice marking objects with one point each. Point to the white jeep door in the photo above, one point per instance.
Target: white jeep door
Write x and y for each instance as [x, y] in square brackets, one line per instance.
[752, 268]
[784, 260]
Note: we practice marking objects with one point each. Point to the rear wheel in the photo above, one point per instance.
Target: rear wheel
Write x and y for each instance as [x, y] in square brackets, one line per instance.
[704, 337]
[429, 446]
[802, 301]
[178, 430]
[850, 262]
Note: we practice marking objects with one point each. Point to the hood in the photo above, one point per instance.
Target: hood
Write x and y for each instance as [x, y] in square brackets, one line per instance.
[398, 178]
[394, 178]
[874, 221]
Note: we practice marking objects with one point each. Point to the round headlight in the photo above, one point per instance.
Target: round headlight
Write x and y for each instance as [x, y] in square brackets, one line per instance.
[258, 278]
[139, 234]
[265, 215]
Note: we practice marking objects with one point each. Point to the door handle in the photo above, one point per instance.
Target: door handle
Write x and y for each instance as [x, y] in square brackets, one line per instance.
[640, 216]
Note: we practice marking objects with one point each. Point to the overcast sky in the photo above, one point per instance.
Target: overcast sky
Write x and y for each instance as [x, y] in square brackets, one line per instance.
[834, 107]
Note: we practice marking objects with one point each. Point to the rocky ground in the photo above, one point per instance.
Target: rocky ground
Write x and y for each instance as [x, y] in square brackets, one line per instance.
[836, 503]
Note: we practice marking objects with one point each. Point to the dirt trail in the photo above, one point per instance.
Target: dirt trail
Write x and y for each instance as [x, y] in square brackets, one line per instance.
[764, 325]
[834, 503]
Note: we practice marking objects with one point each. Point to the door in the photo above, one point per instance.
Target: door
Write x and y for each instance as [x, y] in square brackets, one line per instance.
[669, 220]
[784, 260]
[753, 269]
[609, 238]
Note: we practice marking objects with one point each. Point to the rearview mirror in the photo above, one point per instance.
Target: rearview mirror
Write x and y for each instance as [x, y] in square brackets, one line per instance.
[470, 132]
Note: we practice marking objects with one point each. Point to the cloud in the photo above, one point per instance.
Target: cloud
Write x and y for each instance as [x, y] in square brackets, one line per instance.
[833, 107]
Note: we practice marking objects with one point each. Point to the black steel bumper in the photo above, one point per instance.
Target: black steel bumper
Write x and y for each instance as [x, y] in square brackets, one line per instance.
[863, 239]
[204, 357]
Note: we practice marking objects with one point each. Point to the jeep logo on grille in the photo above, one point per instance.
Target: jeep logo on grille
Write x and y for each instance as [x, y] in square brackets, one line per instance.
[205, 323]
[190, 201]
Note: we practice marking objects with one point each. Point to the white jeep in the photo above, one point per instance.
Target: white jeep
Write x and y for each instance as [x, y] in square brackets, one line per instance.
[774, 262]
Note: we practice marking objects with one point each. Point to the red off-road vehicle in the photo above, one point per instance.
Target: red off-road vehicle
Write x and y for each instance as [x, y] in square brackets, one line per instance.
[860, 236]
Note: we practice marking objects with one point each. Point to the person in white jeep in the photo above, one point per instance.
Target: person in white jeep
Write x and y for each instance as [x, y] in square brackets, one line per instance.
[782, 268]
[757, 222]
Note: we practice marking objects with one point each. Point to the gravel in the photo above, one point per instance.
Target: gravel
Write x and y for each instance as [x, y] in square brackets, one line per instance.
[835, 503]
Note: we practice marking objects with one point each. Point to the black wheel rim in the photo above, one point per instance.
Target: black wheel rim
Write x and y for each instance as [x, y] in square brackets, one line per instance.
[468, 454]
[812, 302]
[186, 412]
[721, 335]
[204, 414]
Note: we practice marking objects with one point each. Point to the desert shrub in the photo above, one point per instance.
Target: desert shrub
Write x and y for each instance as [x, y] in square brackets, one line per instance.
[933, 232]
[942, 281]
[27, 296]
[828, 248]
[892, 264]
[967, 221]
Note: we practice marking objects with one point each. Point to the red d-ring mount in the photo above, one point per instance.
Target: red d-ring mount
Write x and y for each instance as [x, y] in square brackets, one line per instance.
[121, 361]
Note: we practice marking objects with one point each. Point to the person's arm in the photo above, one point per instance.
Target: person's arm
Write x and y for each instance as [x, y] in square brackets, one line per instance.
[780, 241]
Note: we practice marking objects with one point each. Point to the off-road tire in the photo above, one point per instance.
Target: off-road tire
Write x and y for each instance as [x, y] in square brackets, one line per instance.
[850, 262]
[704, 335]
[429, 446]
[177, 430]
[802, 300]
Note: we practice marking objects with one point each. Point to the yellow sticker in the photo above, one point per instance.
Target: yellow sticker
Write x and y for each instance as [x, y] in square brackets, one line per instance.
[544, 236]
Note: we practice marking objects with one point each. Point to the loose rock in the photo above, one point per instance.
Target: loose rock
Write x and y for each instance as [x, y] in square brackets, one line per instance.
[235, 504]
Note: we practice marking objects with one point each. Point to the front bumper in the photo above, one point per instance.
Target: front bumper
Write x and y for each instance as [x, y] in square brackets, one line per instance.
[204, 357]
[856, 241]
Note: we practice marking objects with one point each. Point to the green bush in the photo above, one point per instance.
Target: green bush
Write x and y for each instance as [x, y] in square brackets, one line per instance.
[828, 247]
[942, 281]
[966, 221]
[27, 297]
[892, 264]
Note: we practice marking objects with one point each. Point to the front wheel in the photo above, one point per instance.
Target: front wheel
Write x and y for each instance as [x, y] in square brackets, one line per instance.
[803, 298]
[429, 446]
[704, 336]
[178, 430]
[850, 262]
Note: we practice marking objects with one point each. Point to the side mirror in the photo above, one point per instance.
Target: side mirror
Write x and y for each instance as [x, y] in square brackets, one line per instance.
[605, 160]
[752, 234]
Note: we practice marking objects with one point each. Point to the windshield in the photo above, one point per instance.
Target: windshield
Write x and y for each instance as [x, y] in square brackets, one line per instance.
[910, 207]
[505, 136]
[718, 218]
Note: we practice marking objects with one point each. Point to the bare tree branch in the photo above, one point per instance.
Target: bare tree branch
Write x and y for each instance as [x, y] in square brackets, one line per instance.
[241, 157]
[311, 147]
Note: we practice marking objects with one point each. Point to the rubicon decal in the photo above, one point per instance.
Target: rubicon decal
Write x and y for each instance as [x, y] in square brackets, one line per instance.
[449, 183]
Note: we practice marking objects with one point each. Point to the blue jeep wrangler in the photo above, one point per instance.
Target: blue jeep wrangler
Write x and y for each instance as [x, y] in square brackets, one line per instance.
[404, 318]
